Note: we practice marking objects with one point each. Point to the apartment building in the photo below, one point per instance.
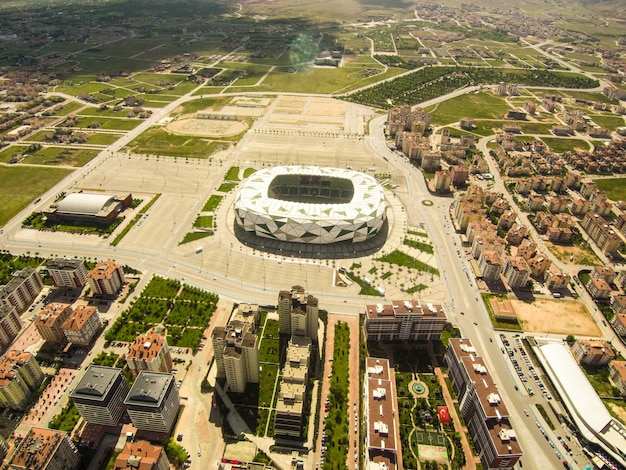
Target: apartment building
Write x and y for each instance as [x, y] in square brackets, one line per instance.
[153, 402]
[235, 348]
[298, 313]
[601, 233]
[515, 271]
[69, 273]
[404, 320]
[150, 352]
[291, 407]
[380, 416]
[482, 407]
[21, 289]
[141, 455]
[619, 323]
[82, 326]
[20, 377]
[10, 325]
[107, 278]
[45, 449]
[617, 376]
[50, 322]
[592, 352]
[99, 395]
[490, 265]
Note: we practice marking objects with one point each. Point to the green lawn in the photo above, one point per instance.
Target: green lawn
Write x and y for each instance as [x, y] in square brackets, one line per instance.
[21, 185]
[610, 122]
[193, 236]
[480, 105]
[61, 156]
[212, 203]
[204, 221]
[157, 141]
[615, 188]
[561, 145]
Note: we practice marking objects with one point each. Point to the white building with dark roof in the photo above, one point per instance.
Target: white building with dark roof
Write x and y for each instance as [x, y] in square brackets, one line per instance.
[70, 273]
[21, 290]
[153, 401]
[10, 325]
[99, 395]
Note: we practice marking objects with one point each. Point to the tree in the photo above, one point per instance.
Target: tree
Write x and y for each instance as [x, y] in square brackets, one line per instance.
[176, 453]
[571, 339]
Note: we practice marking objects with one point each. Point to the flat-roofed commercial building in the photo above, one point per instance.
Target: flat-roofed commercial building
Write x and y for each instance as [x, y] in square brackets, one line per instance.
[20, 377]
[152, 402]
[10, 325]
[141, 455]
[482, 408]
[21, 289]
[99, 395]
[380, 415]
[291, 407]
[150, 352]
[50, 322]
[298, 313]
[82, 326]
[107, 278]
[45, 449]
[404, 320]
[70, 273]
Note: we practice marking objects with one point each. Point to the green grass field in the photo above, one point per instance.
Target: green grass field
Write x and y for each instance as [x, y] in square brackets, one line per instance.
[477, 105]
[21, 185]
[565, 145]
[157, 141]
[615, 188]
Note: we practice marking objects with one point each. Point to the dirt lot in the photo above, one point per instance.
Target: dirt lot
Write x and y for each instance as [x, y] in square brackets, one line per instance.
[207, 127]
[571, 254]
[556, 316]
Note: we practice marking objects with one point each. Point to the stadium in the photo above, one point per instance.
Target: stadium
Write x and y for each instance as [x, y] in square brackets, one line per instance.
[311, 205]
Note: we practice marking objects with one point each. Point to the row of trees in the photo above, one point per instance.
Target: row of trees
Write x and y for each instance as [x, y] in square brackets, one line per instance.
[431, 82]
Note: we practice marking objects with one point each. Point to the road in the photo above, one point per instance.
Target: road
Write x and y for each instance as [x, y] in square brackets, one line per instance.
[239, 273]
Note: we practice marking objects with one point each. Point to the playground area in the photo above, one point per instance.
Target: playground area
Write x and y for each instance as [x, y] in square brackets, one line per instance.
[432, 446]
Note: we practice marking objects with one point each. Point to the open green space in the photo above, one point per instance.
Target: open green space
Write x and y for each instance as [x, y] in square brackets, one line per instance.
[610, 122]
[66, 419]
[20, 185]
[10, 263]
[561, 145]
[185, 313]
[402, 259]
[615, 188]
[157, 141]
[194, 236]
[212, 203]
[204, 221]
[482, 105]
[336, 425]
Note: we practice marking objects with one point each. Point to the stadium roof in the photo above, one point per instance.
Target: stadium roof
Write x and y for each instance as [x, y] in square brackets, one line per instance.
[368, 199]
[84, 203]
[583, 402]
[580, 392]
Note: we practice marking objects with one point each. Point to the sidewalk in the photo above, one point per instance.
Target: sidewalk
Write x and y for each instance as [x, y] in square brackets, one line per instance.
[470, 460]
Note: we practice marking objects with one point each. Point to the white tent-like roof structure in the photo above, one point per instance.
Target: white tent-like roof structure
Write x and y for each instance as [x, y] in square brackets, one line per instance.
[584, 404]
[84, 203]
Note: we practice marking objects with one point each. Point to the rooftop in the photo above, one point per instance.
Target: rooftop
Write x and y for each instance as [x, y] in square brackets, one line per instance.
[149, 389]
[96, 382]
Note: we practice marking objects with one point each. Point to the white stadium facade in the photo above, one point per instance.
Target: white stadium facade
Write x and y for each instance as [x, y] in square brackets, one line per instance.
[311, 204]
